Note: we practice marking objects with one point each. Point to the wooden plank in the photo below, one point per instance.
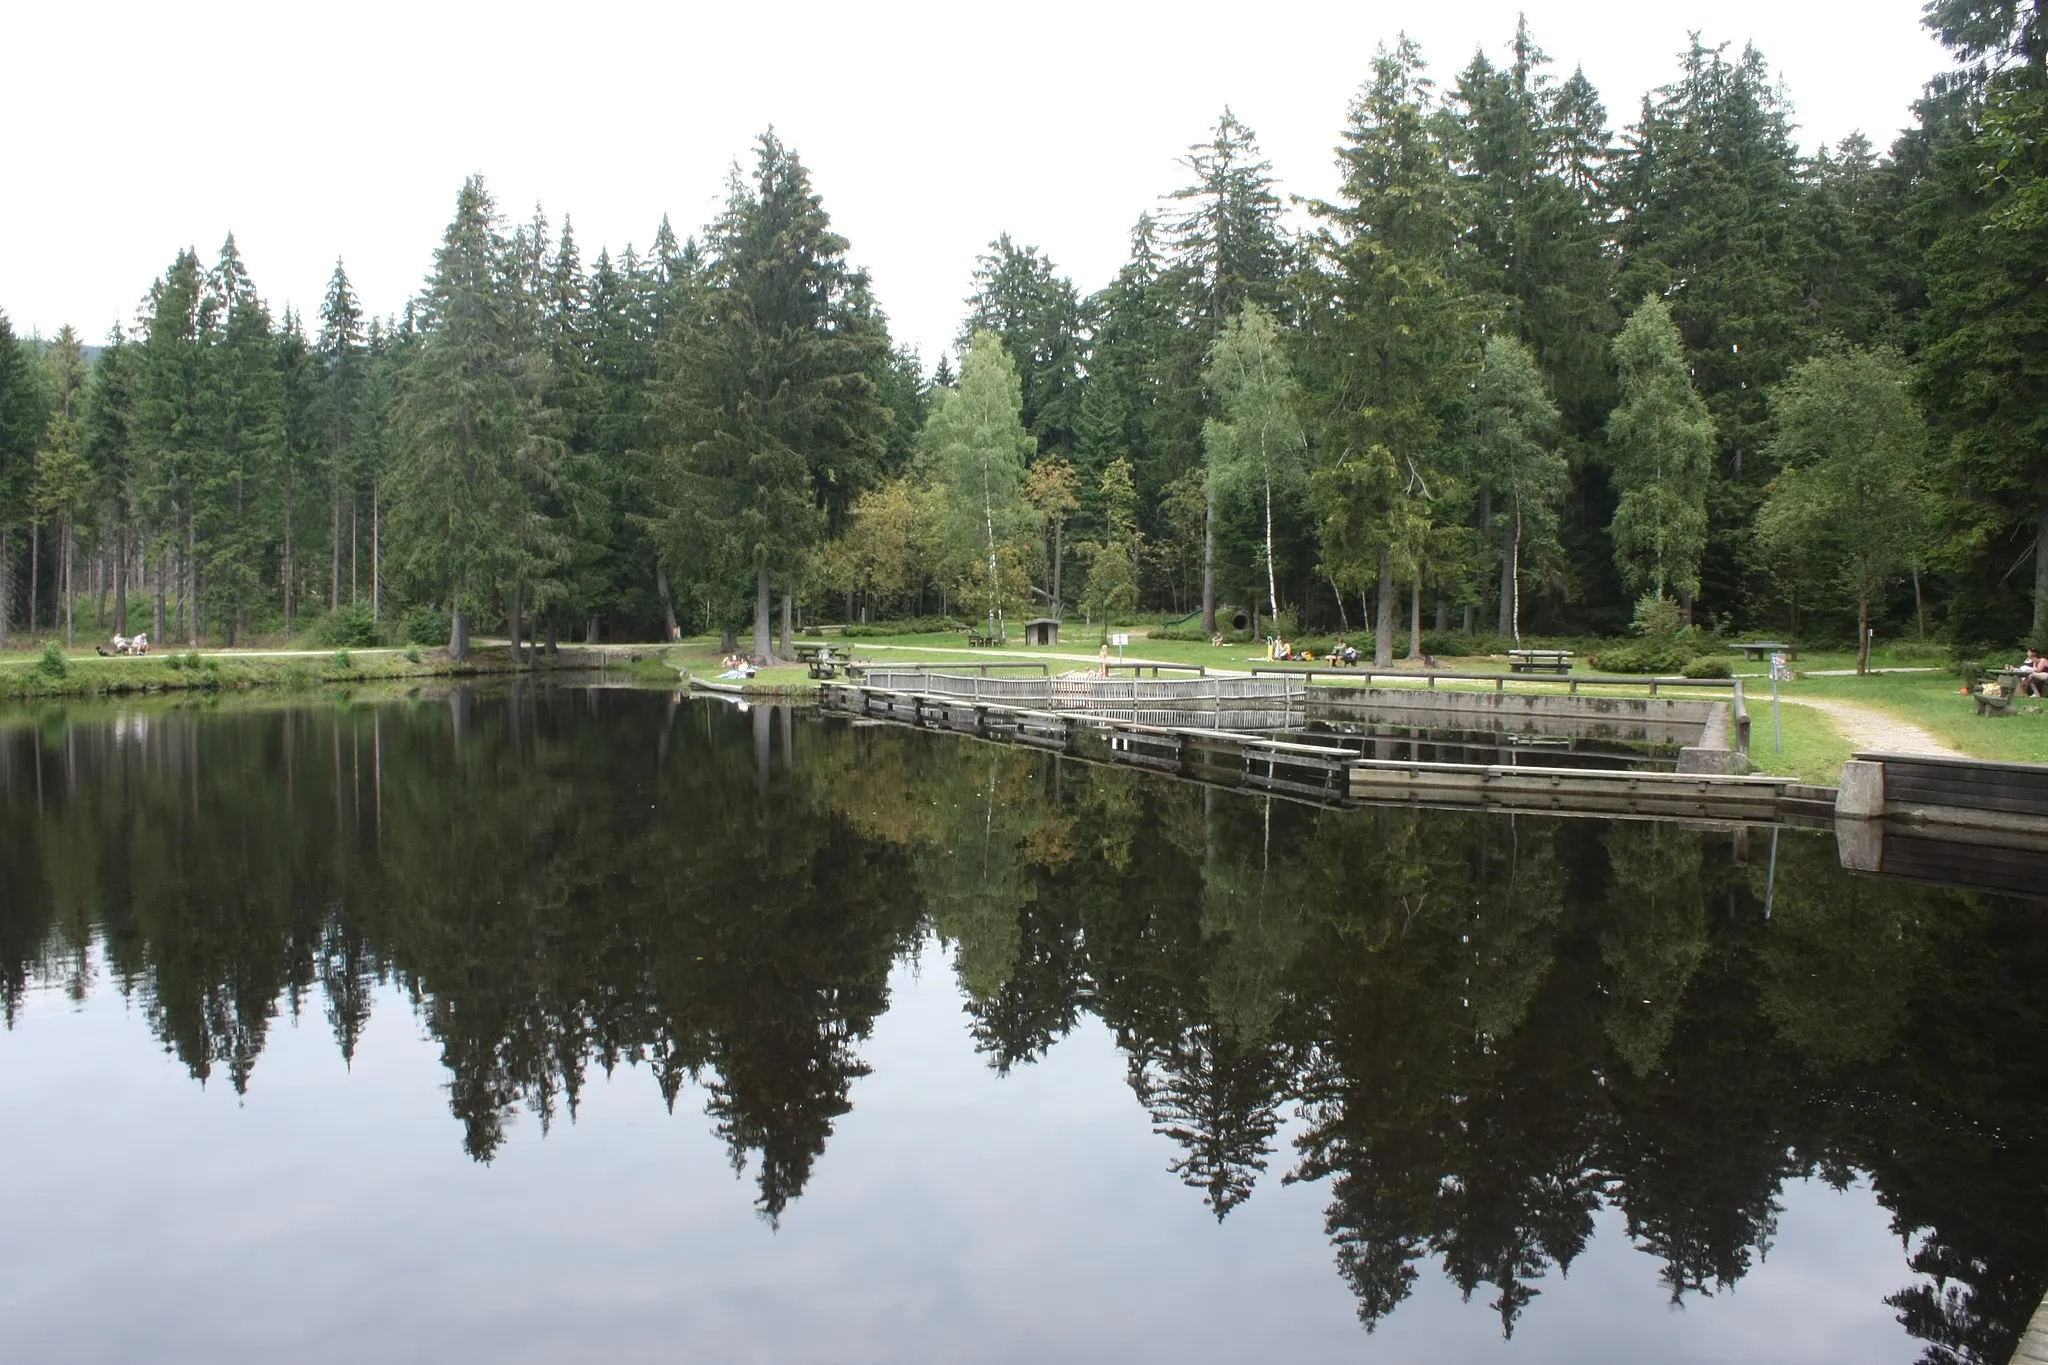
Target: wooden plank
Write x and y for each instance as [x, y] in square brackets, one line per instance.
[1963, 790]
[1926, 780]
[2004, 774]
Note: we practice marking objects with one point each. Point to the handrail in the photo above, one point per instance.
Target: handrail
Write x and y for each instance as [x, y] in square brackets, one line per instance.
[1572, 682]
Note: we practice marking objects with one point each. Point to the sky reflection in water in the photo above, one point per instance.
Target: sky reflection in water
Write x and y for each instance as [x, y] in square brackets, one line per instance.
[1450, 1024]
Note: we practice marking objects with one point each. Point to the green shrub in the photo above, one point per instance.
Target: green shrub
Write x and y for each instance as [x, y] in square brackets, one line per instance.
[920, 625]
[342, 661]
[1657, 617]
[425, 626]
[347, 627]
[1706, 667]
[1918, 650]
[1647, 657]
[190, 661]
[52, 663]
[412, 654]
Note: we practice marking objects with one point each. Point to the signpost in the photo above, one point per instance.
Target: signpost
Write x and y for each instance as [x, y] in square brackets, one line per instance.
[1780, 670]
[1120, 640]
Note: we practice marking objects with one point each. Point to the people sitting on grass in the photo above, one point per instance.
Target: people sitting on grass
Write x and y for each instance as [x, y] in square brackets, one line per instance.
[124, 645]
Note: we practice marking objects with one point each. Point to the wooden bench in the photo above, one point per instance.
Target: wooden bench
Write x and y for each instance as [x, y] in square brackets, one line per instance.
[1992, 704]
[1763, 649]
[976, 640]
[1539, 661]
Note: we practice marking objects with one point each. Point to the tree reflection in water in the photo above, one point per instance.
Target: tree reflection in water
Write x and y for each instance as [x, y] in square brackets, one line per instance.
[1474, 1031]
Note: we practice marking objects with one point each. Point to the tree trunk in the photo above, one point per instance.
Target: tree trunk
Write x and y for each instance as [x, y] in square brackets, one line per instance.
[514, 619]
[1272, 588]
[121, 581]
[551, 633]
[1415, 618]
[286, 570]
[784, 651]
[2041, 569]
[70, 591]
[761, 619]
[590, 631]
[334, 554]
[1919, 605]
[1509, 552]
[728, 640]
[354, 593]
[1209, 559]
[156, 622]
[102, 577]
[1059, 553]
[1443, 615]
[1383, 615]
[668, 606]
[376, 556]
[35, 573]
[6, 581]
[1862, 630]
[191, 610]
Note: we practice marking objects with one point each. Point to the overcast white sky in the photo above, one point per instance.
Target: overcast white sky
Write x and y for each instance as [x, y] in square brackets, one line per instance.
[317, 131]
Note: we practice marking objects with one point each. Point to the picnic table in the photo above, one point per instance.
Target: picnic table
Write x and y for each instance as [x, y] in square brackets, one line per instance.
[823, 662]
[977, 640]
[1763, 649]
[1539, 661]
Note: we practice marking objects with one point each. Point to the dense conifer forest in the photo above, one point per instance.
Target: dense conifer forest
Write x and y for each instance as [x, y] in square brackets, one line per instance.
[1535, 368]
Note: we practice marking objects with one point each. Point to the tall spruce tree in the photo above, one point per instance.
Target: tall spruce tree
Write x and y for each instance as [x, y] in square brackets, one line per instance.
[1391, 335]
[475, 448]
[1035, 312]
[769, 410]
[1710, 197]
[239, 420]
[23, 414]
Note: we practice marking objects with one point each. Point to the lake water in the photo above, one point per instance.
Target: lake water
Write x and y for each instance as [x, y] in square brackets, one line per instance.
[565, 1024]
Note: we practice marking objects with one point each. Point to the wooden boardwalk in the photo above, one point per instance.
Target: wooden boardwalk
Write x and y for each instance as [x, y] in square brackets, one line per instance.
[2033, 1348]
[1217, 741]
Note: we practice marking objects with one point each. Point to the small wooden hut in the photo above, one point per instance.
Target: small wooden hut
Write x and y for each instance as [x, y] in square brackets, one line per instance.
[1042, 631]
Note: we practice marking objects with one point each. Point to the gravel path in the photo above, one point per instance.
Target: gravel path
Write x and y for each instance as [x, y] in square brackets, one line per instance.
[1870, 730]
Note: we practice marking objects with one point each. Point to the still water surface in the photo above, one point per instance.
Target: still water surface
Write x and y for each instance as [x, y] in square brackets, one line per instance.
[580, 1024]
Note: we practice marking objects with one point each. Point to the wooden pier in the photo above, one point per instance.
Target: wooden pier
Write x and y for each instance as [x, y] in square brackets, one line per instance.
[1208, 729]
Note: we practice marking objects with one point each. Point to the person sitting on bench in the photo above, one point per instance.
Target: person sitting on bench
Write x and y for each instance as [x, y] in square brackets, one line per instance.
[2033, 678]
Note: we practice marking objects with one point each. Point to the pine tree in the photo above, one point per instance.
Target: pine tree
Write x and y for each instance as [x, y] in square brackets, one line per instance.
[1710, 198]
[23, 416]
[1390, 337]
[109, 438]
[239, 421]
[769, 411]
[1037, 315]
[466, 519]
[1660, 440]
[168, 399]
[344, 372]
[64, 482]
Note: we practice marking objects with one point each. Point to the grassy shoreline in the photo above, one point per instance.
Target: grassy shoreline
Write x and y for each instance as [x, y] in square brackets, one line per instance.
[24, 678]
[1813, 746]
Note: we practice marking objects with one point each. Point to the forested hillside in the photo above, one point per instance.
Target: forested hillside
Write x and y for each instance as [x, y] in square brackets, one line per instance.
[1531, 365]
